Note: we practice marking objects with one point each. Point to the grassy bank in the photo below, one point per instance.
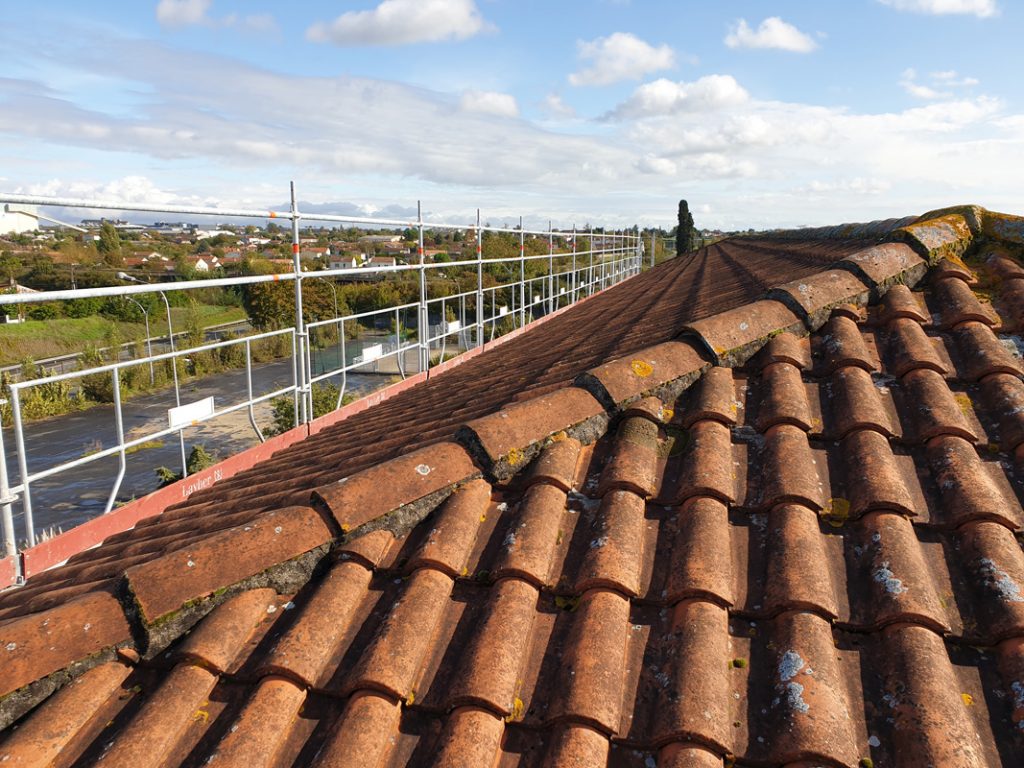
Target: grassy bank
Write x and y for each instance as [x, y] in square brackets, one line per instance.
[42, 339]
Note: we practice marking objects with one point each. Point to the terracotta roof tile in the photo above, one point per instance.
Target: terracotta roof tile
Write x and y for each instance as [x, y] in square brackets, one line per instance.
[68, 720]
[257, 737]
[577, 746]
[899, 301]
[842, 345]
[165, 584]
[164, 720]
[694, 693]
[508, 439]
[888, 569]
[37, 645]
[454, 529]
[956, 303]
[1004, 396]
[371, 549]
[215, 644]
[887, 264]
[593, 668]
[783, 399]
[784, 348]
[1003, 266]
[788, 470]
[712, 397]
[1011, 302]
[791, 592]
[663, 370]
[798, 571]
[557, 464]
[614, 557]
[910, 348]
[394, 659]
[938, 238]
[707, 463]
[857, 403]
[813, 298]
[982, 353]
[528, 548]
[932, 408]
[931, 717]
[471, 737]
[396, 492]
[633, 463]
[954, 268]
[364, 734]
[308, 647]
[701, 565]
[733, 336]
[994, 566]
[968, 486]
[873, 478]
[492, 668]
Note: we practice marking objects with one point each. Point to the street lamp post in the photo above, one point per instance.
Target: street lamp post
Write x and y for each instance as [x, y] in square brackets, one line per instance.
[149, 339]
[174, 363]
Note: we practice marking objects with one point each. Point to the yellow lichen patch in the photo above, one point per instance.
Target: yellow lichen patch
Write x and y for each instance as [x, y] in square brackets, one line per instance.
[867, 762]
[667, 414]
[411, 698]
[464, 572]
[559, 437]
[201, 714]
[642, 368]
[518, 709]
[964, 403]
[483, 518]
[836, 512]
[345, 527]
[515, 457]
[967, 699]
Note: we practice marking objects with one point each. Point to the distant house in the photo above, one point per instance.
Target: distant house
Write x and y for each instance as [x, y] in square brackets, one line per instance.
[382, 261]
[201, 265]
[346, 261]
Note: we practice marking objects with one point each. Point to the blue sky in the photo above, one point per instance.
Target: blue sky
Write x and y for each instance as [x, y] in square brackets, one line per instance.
[586, 111]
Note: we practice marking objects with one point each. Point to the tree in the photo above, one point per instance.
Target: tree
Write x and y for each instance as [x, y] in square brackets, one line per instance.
[109, 245]
[684, 230]
[9, 265]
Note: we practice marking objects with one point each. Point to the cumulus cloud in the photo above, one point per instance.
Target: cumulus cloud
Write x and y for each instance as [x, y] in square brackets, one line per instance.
[693, 139]
[185, 13]
[980, 8]
[666, 97]
[401, 22]
[773, 32]
[490, 103]
[949, 79]
[620, 56]
[555, 106]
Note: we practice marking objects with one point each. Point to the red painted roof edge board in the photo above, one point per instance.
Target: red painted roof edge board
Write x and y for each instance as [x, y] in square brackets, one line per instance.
[8, 571]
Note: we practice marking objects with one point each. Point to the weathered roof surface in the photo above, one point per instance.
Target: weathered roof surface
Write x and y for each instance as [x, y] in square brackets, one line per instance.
[785, 535]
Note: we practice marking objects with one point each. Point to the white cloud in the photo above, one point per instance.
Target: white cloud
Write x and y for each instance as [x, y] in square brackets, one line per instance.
[620, 56]
[980, 8]
[489, 103]
[666, 97]
[185, 13]
[401, 22]
[773, 32]
[181, 13]
[939, 80]
[555, 106]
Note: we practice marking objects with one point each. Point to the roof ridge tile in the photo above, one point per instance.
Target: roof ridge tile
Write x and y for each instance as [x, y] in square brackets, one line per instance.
[885, 265]
[663, 371]
[505, 441]
[814, 297]
[735, 335]
[397, 493]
